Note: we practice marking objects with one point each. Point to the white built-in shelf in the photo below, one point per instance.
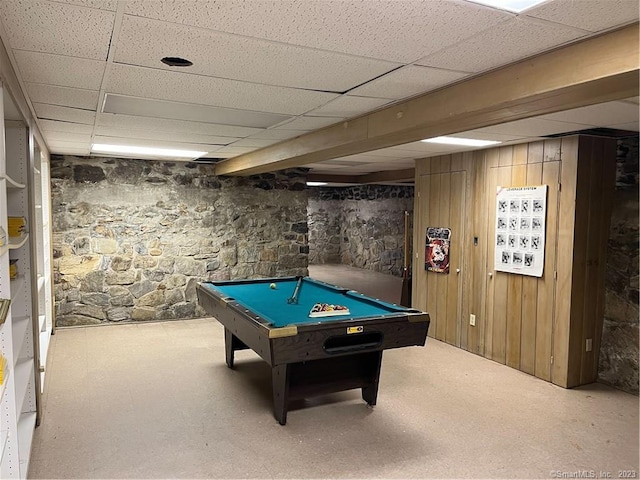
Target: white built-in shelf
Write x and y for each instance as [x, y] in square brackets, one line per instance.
[16, 286]
[20, 326]
[26, 427]
[3, 387]
[11, 183]
[24, 372]
[42, 323]
[40, 281]
[4, 249]
[4, 435]
[17, 242]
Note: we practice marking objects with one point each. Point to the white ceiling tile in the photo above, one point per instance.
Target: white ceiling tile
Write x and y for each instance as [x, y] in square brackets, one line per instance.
[85, 146]
[122, 132]
[391, 30]
[254, 142]
[633, 126]
[534, 127]
[182, 87]
[144, 42]
[164, 125]
[67, 150]
[483, 135]
[146, 107]
[307, 123]
[277, 134]
[505, 43]
[154, 143]
[234, 150]
[67, 137]
[407, 81]
[110, 5]
[60, 70]
[349, 106]
[57, 28]
[58, 126]
[599, 115]
[66, 114]
[64, 96]
[593, 15]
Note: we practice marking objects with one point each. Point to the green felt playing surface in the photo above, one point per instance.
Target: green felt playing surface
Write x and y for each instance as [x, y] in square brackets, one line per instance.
[271, 304]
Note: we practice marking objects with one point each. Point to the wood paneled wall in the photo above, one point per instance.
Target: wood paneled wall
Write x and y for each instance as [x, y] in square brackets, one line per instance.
[537, 325]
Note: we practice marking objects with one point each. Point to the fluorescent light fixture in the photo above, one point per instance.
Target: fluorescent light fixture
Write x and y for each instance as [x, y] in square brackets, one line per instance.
[516, 6]
[316, 184]
[145, 151]
[466, 142]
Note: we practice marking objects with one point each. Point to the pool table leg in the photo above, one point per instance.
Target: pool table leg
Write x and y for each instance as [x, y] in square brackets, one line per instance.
[370, 392]
[280, 375]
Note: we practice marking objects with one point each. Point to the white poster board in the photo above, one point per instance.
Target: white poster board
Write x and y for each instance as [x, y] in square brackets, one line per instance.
[521, 214]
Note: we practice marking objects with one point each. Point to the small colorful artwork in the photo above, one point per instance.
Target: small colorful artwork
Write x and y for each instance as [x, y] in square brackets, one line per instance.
[437, 249]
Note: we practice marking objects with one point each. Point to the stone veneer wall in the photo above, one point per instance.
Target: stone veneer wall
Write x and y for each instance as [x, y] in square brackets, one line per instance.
[359, 226]
[619, 351]
[132, 238]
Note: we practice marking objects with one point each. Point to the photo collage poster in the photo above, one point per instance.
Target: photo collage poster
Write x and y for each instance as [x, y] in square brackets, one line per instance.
[436, 258]
[520, 229]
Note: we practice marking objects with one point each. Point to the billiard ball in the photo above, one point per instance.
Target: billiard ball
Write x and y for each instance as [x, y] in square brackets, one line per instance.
[272, 286]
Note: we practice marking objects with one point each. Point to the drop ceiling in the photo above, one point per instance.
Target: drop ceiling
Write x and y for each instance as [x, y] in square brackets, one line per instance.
[267, 71]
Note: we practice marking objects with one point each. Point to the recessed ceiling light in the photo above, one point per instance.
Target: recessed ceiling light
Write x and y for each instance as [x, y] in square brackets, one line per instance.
[176, 62]
[516, 6]
[145, 151]
[316, 184]
[467, 142]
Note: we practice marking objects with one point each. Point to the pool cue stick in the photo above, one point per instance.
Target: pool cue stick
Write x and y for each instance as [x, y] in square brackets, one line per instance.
[405, 296]
[294, 298]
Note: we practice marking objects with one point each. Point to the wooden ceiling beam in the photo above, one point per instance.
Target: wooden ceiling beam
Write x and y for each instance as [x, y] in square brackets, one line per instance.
[596, 70]
[374, 177]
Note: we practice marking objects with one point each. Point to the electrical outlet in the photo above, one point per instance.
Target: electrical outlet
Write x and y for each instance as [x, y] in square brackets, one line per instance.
[589, 345]
[472, 320]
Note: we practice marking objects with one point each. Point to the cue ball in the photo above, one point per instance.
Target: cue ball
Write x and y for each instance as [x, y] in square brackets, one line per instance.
[273, 286]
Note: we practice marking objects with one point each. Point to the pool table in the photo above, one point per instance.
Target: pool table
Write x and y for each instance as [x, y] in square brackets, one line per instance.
[310, 356]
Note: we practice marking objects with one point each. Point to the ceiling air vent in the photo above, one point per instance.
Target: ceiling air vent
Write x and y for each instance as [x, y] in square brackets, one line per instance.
[208, 160]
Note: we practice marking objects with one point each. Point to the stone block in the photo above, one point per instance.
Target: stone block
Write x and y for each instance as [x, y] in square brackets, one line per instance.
[269, 255]
[266, 269]
[173, 296]
[153, 275]
[125, 300]
[73, 295]
[92, 311]
[213, 265]
[166, 265]
[82, 246]
[184, 310]
[144, 261]
[121, 264]
[121, 278]
[105, 245]
[118, 314]
[143, 313]
[141, 288]
[151, 299]
[175, 281]
[93, 281]
[190, 267]
[99, 299]
[155, 252]
[75, 320]
[229, 256]
[78, 265]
